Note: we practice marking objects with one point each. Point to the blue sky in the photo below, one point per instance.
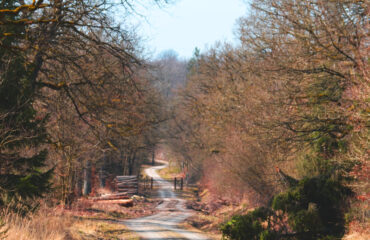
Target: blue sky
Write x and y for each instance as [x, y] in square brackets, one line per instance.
[186, 24]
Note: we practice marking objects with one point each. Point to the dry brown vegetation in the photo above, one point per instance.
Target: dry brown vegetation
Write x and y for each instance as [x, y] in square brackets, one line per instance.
[290, 102]
[45, 226]
[84, 220]
[292, 99]
[89, 87]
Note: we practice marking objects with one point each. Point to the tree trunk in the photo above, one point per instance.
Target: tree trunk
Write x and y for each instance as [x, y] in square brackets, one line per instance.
[131, 161]
[153, 157]
[79, 184]
[87, 179]
[101, 177]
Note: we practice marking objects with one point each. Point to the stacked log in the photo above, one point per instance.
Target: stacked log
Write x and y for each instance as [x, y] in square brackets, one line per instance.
[127, 184]
[123, 199]
[121, 202]
[113, 196]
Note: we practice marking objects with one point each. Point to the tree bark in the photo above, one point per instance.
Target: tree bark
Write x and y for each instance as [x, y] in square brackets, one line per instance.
[153, 157]
[87, 179]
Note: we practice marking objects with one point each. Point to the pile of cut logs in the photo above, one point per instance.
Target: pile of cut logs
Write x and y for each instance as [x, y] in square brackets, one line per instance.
[127, 184]
[115, 198]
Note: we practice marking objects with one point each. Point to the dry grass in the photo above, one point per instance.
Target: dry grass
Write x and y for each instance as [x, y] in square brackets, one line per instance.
[91, 229]
[84, 221]
[44, 224]
[49, 225]
[357, 236]
[209, 221]
[358, 231]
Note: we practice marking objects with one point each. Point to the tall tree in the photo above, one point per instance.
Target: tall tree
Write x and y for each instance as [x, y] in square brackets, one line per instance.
[70, 55]
[22, 157]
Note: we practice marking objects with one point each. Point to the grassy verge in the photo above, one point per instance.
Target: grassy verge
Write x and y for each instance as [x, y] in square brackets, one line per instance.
[170, 172]
[86, 229]
[43, 225]
[49, 224]
[84, 221]
[211, 212]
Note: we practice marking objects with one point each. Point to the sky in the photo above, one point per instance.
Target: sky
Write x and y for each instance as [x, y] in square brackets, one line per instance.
[186, 24]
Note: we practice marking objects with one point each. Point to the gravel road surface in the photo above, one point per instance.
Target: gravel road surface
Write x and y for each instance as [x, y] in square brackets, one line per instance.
[165, 224]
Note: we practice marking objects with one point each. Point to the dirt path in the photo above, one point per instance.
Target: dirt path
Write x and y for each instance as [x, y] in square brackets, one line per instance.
[165, 224]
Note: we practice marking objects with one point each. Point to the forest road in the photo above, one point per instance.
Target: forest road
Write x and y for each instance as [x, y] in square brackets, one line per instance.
[165, 224]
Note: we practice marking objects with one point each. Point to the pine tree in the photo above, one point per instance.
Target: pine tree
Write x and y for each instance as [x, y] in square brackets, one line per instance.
[22, 132]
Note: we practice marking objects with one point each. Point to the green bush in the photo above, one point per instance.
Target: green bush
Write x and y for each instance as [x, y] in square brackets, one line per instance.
[315, 206]
[248, 226]
[242, 227]
[314, 209]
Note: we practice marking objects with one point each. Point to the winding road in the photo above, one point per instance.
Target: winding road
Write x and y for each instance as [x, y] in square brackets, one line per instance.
[165, 224]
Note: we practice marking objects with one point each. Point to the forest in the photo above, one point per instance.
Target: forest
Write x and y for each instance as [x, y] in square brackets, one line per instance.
[276, 126]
